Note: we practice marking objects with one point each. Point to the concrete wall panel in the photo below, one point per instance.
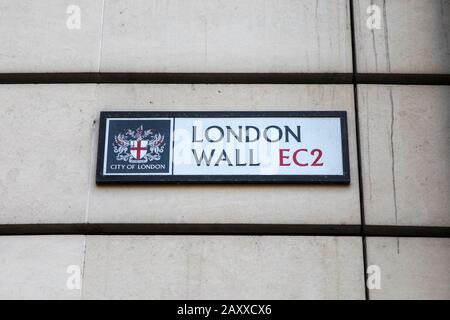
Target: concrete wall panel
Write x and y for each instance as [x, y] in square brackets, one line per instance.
[48, 132]
[226, 36]
[35, 37]
[413, 36]
[53, 179]
[213, 267]
[411, 268]
[36, 267]
[238, 203]
[405, 152]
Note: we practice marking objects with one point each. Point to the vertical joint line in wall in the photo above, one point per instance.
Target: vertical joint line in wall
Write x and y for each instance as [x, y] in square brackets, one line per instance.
[101, 36]
[361, 190]
[364, 248]
[393, 153]
[358, 149]
[173, 144]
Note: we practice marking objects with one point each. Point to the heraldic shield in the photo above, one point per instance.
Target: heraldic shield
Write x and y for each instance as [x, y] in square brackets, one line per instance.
[138, 148]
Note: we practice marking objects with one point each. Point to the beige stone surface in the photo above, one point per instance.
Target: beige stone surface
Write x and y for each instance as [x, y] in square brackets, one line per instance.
[223, 267]
[51, 176]
[36, 267]
[413, 36]
[49, 135]
[226, 36]
[405, 151]
[176, 36]
[411, 268]
[35, 37]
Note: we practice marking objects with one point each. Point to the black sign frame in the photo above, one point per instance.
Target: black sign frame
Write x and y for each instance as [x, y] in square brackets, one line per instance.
[220, 179]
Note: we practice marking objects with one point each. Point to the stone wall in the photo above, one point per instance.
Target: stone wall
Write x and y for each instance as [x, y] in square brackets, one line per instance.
[225, 241]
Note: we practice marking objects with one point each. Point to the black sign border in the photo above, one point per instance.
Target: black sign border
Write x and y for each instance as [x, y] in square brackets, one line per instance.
[223, 179]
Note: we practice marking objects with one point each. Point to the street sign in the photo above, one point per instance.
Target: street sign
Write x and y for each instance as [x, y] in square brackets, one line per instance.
[231, 147]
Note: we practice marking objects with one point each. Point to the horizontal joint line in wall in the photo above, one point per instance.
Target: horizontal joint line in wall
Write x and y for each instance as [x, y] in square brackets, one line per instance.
[227, 78]
[223, 229]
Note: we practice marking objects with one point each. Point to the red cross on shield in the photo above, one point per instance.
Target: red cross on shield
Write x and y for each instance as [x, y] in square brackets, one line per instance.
[138, 148]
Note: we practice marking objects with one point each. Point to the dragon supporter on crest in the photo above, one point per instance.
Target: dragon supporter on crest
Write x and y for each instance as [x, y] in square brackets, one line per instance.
[139, 146]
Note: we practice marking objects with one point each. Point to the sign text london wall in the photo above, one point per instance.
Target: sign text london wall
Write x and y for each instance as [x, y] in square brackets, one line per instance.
[185, 147]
